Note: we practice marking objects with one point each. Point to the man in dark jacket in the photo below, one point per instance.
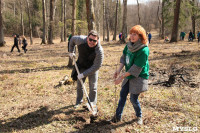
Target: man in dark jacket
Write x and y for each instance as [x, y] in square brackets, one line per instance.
[15, 44]
[89, 61]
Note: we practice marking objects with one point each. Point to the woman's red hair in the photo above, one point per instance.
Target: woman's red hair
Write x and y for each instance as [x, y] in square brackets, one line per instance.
[138, 29]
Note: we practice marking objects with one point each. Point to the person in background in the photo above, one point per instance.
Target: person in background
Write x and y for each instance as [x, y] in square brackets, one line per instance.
[24, 42]
[198, 36]
[190, 38]
[166, 39]
[120, 36]
[135, 78]
[16, 42]
[149, 37]
[182, 36]
[69, 38]
[89, 62]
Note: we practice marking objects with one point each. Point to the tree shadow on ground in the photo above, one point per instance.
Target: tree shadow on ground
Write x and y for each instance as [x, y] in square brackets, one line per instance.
[27, 70]
[34, 119]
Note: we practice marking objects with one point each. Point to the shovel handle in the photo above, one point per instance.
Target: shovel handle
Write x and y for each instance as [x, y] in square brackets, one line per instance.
[82, 84]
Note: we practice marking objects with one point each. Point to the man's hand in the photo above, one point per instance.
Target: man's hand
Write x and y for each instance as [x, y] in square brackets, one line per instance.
[80, 76]
[72, 55]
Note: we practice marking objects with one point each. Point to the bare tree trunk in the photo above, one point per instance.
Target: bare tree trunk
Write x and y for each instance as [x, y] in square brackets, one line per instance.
[176, 20]
[107, 23]
[14, 9]
[104, 20]
[163, 21]
[62, 27]
[22, 18]
[138, 12]
[47, 21]
[70, 62]
[90, 15]
[65, 33]
[44, 22]
[73, 17]
[1, 29]
[159, 19]
[4, 6]
[124, 25]
[50, 37]
[98, 10]
[193, 17]
[54, 9]
[30, 25]
[116, 17]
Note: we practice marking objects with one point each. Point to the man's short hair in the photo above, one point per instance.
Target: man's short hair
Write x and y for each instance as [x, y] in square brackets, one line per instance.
[93, 33]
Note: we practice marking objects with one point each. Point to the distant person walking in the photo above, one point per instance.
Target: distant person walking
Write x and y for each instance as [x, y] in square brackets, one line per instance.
[149, 37]
[24, 42]
[15, 44]
[182, 35]
[190, 36]
[198, 36]
[120, 36]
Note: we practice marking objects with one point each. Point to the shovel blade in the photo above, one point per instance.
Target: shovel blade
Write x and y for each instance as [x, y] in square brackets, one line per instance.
[90, 109]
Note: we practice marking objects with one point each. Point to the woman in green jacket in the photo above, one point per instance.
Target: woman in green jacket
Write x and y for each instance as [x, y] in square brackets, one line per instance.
[135, 79]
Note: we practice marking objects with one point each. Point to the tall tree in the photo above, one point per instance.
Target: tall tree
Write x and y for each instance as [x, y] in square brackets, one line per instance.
[162, 21]
[61, 19]
[70, 62]
[193, 17]
[22, 18]
[54, 9]
[116, 17]
[29, 19]
[124, 25]
[90, 15]
[104, 18]
[44, 21]
[159, 19]
[138, 5]
[50, 37]
[65, 33]
[107, 22]
[14, 9]
[1, 29]
[176, 20]
[98, 16]
[74, 17]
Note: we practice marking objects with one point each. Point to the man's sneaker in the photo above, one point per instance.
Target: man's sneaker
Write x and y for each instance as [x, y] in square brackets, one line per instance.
[139, 120]
[77, 106]
[115, 119]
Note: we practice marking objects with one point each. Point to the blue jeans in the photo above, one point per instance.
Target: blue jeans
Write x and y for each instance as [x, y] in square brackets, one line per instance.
[122, 101]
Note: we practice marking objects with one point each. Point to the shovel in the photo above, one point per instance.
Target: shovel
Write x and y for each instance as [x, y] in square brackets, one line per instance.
[89, 105]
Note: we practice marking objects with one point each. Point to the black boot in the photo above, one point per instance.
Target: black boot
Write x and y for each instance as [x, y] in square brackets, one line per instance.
[115, 119]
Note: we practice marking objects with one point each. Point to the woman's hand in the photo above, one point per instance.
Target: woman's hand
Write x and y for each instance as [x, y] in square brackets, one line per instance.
[116, 74]
[119, 80]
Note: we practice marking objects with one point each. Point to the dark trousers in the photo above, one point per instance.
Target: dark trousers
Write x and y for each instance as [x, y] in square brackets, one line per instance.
[24, 48]
[149, 40]
[122, 101]
[15, 45]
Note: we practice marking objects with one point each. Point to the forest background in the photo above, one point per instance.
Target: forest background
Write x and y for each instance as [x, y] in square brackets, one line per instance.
[56, 18]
